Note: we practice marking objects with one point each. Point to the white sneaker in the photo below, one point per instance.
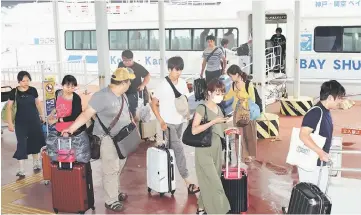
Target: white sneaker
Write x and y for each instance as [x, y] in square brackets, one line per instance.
[36, 165]
[20, 173]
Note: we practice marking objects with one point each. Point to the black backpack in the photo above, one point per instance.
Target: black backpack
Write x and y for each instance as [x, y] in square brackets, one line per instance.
[256, 95]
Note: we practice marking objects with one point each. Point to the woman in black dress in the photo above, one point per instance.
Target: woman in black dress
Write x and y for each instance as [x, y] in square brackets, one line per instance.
[27, 122]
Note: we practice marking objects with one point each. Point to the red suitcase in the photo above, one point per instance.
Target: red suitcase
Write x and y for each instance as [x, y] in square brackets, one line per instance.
[46, 161]
[72, 188]
[235, 180]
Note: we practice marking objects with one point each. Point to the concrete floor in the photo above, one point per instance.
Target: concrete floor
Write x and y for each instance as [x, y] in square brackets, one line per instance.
[270, 179]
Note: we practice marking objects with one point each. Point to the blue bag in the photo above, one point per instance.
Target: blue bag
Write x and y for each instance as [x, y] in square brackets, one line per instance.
[254, 110]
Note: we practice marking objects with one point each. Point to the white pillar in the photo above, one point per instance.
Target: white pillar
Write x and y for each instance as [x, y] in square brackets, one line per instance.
[259, 46]
[161, 38]
[296, 82]
[290, 53]
[101, 23]
[58, 43]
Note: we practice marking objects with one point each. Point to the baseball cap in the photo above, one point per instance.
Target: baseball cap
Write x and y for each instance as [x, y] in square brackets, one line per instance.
[122, 74]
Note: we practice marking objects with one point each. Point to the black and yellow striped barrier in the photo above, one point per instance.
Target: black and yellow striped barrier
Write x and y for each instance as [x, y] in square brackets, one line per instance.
[295, 107]
[268, 126]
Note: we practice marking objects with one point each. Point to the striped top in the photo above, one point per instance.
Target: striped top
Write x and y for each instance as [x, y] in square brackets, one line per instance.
[214, 62]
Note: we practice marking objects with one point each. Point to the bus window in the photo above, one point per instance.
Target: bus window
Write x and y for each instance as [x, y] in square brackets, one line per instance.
[138, 39]
[337, 39]
[118, 39]
[154, 39]
[229, 34]
[93, 40]
[352, 39]
[81, 40]
[69, 40]
[181, 40]
[199, 38]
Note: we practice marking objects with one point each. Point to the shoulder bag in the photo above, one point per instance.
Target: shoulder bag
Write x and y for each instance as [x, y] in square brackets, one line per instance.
[242, 115]
[301, 155]
[128, 138]
[203, 139]
[94, 140]
[181, 101]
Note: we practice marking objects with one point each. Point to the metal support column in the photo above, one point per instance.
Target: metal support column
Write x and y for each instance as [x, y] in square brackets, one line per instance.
[259, 46]
[58, 47]
[101, 23]
[297, 76]
[161, 38]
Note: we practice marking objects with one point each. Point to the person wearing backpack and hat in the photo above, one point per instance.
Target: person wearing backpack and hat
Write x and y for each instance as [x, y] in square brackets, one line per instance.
[243, 89]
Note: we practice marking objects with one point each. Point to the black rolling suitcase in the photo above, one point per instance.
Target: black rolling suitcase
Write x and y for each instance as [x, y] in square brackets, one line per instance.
[235, 180]
[307, 198]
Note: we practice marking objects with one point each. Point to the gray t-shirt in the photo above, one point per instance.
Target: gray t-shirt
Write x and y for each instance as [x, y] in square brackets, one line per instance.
[214, 62]
[107, 105]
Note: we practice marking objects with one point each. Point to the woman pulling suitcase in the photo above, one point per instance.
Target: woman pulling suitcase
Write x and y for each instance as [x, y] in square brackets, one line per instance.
[208, 160]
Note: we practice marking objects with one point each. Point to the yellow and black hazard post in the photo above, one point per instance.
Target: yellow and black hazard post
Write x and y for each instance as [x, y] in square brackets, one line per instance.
[268, 126]
[296, 107]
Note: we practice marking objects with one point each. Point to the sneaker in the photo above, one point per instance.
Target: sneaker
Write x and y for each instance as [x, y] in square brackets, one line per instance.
[20, 173]
[116, 206]
[36, 165]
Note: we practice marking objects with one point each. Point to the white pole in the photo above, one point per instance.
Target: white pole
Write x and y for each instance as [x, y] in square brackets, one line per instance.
[259, 46]
[296, 83]
[161, 37]
[101, 23]
[58, 47]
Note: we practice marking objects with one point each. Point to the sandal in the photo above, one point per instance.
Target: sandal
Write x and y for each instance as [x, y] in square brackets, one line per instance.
[116, 206]
[122, 196]
[201, 211]
[191, 189]
[284, 210]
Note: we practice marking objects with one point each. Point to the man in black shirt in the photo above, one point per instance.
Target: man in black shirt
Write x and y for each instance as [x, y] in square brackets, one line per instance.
[137, 84]
[279, 39]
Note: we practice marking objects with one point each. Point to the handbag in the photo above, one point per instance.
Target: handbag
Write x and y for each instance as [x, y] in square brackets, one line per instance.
[203, 139]
[299, 154]
[128, 138]
[242, 114]
[4, 111]
[94, 141]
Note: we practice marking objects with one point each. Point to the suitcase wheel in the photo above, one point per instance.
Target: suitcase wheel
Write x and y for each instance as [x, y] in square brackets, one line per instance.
[46, 182]
[172, 192]
[149, 190]
[56, 210]
[161, 194]
[93, 208]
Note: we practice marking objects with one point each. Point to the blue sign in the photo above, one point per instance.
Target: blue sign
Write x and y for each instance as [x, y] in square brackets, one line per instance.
[306, 42]
[324, 64]
[338, 4]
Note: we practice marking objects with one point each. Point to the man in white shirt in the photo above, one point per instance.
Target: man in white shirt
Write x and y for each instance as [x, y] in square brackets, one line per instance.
[163, 105]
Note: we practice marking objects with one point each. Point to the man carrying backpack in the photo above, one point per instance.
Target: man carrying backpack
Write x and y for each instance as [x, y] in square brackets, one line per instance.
[212, 58]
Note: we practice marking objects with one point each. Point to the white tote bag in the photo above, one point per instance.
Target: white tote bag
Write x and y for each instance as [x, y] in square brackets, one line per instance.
[299, 154]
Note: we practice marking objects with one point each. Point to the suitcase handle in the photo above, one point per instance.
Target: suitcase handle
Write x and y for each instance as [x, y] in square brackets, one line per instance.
[228, 132]
[71, 164]
[336, 169]
[168, 137]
